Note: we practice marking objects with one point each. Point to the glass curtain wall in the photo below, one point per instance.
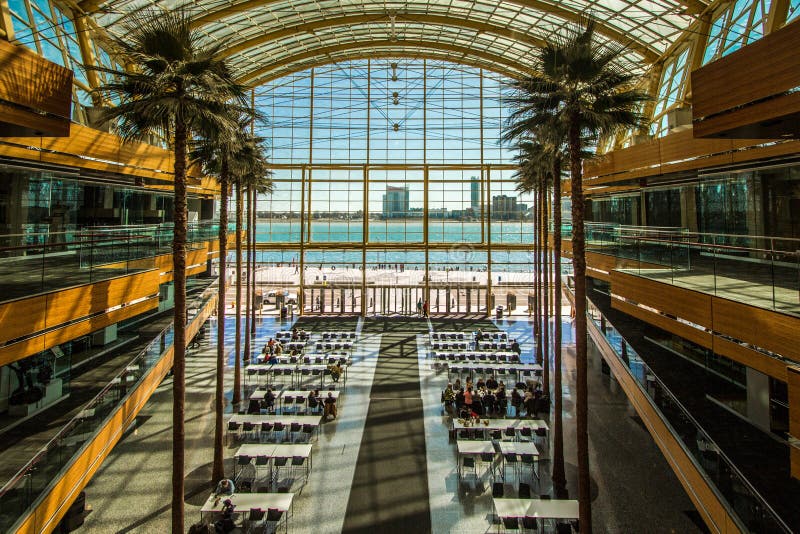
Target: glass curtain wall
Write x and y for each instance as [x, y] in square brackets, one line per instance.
[392, 189]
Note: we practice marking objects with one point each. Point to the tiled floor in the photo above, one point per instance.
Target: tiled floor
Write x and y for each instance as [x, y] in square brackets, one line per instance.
[635, 490]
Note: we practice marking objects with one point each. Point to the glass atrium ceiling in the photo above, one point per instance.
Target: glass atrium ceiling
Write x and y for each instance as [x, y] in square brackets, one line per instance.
[271, 38]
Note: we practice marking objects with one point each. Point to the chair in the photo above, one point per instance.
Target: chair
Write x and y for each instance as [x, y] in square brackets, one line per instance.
[254, 407]
[529, 460]
[243, 460]
[525, 432]
[468, 462]
[529, 523]
[510, 523]
[254, 519]
[248, 429]
[294, 429]
[261, 461]
[510, 432]
[297, 463]
[524, 491]
[497, 435]
[541, 438]
[498, 488]
[300, 402]
[278, 430]
[308, 432]
[488, 459]
[234, 429]
[509, 459]
[274, 517]
[287, 403]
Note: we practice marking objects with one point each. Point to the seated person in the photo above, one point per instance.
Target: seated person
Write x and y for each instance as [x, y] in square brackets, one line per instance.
[491, 383]
[226, 523]
[480, 384]
[330, 405]
[278, 349]
[313, 400]
[225, 487]
[269, 400]
[295, 335]
[516, 348]
[272, 359]
[336, 371]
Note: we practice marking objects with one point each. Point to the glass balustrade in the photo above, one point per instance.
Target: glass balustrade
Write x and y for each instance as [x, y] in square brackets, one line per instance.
[756, 270]
[741, 497]
[19, 494]
[34, 263]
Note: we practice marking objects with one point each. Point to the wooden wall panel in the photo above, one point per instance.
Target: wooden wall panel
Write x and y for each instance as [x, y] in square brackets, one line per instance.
[679, 151]
[39, 86]
[21, 349]
[767, 329]
[63, 306]
[695, 335]
[763, 68]
[689, 305]
[22, 317]
[750, 357]
[92, 324]
[108, 153]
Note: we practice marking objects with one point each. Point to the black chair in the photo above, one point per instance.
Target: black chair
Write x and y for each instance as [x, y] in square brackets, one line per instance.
[233, 429]
[248, 428]
[274, 517]
[524, 491]
[277, 430]
[498, 488]
[254, 518]
[266, 430]
[254, 407]
[530, 523]
[509, 459]
[530, 461]
[294, 429]
[510, 523]
[468, 462]
[308, 432]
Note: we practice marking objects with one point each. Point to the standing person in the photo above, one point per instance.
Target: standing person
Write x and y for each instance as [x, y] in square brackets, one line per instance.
[419, 307]
[449, 397]
[516, 401]
[468, 399]
[425, 308]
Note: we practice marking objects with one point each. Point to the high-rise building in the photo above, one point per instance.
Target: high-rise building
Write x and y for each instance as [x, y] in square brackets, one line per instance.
[504, 207]
[395, 203]
[475, 195]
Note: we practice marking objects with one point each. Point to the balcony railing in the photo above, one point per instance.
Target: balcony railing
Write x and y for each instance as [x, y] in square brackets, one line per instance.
[46, 467]
[741, 499]
[710, 263]
[34, 263]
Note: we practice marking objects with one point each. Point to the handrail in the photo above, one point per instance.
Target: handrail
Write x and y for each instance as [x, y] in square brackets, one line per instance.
[709, 245]
[683, 231]
[685, 413]
[31, 464]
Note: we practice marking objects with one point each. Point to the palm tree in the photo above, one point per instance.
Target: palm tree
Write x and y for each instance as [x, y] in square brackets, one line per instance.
[249, 169]
[583, 88]
[175, 84]
[214, 152]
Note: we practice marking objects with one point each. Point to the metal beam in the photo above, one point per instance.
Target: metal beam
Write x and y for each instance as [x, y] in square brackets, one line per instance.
[648, 53]
[6, 24]
[352, 20]
[367, 49]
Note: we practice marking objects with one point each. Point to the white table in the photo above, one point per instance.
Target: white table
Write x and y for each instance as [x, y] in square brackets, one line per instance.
[538, 508]
[502, 424]
[474, 448]
[243, 502]
[518, 447]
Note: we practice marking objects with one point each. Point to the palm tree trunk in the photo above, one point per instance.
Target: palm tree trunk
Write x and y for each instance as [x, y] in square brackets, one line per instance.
[559, 477]
[218, 468]
[545, 301]
[179, 326]
[253, 268]
[247, 284]
[537, 309]
[579, 269]
[237, 366]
